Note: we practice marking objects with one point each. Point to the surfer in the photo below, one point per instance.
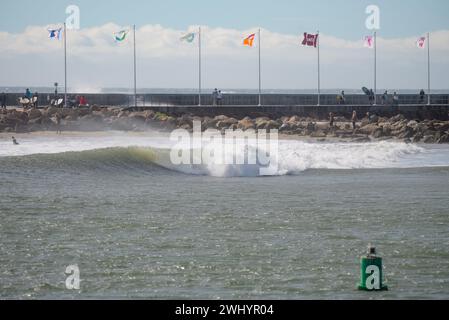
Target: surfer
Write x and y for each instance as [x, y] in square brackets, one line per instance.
[14, 141]
[331, 120]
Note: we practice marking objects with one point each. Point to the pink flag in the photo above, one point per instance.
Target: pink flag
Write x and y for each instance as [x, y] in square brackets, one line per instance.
[421, 43]
[369, 42]
[310, 40]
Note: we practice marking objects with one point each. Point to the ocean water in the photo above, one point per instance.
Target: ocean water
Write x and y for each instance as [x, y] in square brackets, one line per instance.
[140, 227]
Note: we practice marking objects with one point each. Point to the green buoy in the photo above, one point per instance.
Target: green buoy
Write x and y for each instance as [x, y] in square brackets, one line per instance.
[371, 272]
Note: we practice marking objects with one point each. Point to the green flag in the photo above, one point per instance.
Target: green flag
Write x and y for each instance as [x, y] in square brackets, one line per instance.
[188, 37]
[121, 35]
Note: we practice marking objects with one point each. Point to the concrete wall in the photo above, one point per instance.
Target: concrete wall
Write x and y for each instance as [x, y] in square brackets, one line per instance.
[125, 100]
[318, 112]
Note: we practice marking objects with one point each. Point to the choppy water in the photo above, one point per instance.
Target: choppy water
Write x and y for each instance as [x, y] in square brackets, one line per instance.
[137, 229]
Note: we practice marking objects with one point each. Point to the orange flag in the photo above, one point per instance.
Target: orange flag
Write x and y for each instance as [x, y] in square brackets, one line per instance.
[249, 41]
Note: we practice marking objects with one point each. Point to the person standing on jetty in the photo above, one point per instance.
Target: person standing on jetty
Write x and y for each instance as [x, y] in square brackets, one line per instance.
[395, 99]
[371, 97]
[343, 98]
[385, 98]
[214, 97]
[219, 97]
[82, 102]
[3, 100]
[28, 94]
[422, 94]
[36, 100]
[354, 119]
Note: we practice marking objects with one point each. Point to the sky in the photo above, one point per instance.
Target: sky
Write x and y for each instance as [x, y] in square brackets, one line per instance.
[29, 58]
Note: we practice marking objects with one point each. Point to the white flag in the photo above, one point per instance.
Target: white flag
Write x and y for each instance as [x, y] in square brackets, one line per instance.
[421, 43]
[369, 42]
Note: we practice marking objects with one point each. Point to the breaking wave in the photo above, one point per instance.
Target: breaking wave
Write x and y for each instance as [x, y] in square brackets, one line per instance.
[294, 156]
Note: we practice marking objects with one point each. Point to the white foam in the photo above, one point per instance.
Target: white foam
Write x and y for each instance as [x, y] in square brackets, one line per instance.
[294, 156]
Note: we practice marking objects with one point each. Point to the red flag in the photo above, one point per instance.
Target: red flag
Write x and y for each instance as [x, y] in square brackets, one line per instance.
[310, 40]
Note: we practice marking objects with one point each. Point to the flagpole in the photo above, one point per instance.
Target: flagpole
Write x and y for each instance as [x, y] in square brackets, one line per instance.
[319, 76]
[199, 66]
[65, 65]
[428, 68]
[260, 79]
[375, 67]
[135, 69]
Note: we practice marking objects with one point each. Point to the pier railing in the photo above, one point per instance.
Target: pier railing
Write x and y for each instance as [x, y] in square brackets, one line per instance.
[157, 100]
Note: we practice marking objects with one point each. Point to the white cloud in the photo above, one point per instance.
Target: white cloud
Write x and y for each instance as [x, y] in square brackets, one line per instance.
[31, 58]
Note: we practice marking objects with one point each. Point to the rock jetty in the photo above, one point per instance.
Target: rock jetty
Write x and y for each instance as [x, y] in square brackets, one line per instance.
[106, 118]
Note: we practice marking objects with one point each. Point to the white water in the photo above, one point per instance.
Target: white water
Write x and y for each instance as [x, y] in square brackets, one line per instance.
[294, 156]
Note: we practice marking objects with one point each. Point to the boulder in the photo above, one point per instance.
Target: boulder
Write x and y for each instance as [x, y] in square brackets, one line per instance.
[397, 118]
[185, 120]
[444, 139]
[227, 123]
[294, 119]
[407, 133]
[51, 111]
[95, 108]
[429, 139]
[246, 124]
[123, 114]
[34, 114]
[318, 134]
[369, 129]
[262, 122]
[35, 121]
[137, 116]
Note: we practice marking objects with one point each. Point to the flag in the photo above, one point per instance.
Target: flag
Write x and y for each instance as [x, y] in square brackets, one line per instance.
[310, 40]
[55, 33]
[369, 42]
[188, 37]
[121, 35]
[249, 40]
[421, 43]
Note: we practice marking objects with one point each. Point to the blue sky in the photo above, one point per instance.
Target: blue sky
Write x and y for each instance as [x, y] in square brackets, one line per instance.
[341, 18]
[95, 61]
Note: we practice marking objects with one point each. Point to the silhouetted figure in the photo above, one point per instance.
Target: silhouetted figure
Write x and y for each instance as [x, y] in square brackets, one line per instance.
[14, 141]
[371, 97]
[422, 95]
[58, 123]
[219, 97]
[3, 100]
[395, 99]
[354, 119]
[36, 100]
[215, 97]
[385, 97]
[28, 94]
[331, 119]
